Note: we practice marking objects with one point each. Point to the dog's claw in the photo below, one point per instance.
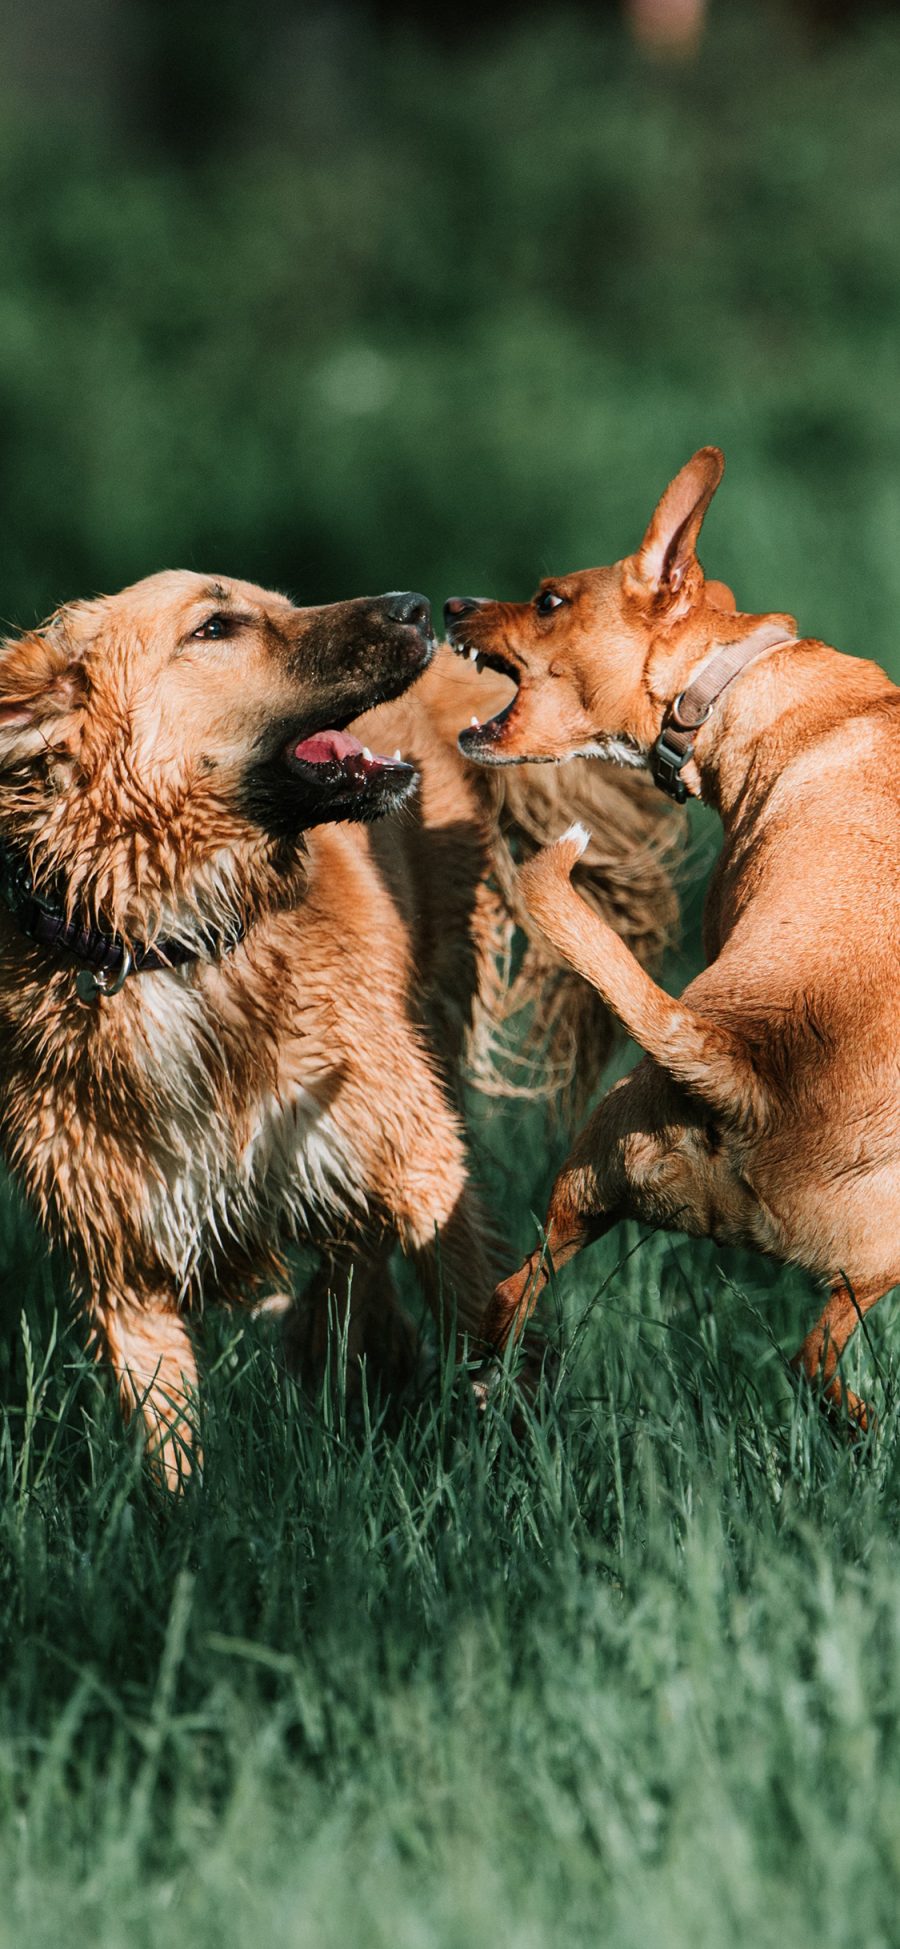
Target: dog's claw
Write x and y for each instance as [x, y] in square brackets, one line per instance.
[485, 1384]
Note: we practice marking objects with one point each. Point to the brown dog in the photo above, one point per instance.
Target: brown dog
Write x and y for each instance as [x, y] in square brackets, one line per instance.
[768, 1110]
[218, 1027]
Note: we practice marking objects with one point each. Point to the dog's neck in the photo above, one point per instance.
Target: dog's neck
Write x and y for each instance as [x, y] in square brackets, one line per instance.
[104, 960]
[674, 761]
[787, 700]
[107, 921]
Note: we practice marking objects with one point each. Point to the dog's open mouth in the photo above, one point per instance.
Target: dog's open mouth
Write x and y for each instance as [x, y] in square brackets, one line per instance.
[481, 741]
[335, 759]
[326, 776]
[307, 767]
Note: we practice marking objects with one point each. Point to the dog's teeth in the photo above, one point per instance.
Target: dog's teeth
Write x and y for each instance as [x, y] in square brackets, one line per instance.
[367, 754]
[398, 757]
[475, 726]
[473, 655]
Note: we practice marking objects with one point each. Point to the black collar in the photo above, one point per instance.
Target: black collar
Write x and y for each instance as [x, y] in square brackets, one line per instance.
[106, 960]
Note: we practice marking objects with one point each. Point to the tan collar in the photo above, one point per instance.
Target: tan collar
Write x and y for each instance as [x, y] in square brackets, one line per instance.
[683, 719]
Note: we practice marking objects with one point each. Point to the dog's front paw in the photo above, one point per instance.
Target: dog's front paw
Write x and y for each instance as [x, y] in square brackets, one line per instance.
[486, 1381]
[850, 1412]
[533, 1359]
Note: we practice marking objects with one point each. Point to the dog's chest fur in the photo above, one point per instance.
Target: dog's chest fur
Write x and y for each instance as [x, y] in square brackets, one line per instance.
[238, 1154]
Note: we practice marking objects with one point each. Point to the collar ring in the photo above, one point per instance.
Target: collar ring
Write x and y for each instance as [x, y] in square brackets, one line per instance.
[681, 723]
[92, 984]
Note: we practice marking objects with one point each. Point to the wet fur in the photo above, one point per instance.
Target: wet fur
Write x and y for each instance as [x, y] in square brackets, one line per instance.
[305, 1083]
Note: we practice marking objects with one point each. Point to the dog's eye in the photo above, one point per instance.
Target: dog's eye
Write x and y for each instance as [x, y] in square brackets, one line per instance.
[546, 601]
[212, 629]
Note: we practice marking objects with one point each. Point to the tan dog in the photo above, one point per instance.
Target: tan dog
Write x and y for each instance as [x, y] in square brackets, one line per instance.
[767, 1112]
[219, 1028]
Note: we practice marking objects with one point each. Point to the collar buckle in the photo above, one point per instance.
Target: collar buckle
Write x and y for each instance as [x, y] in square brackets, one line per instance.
[666, 764]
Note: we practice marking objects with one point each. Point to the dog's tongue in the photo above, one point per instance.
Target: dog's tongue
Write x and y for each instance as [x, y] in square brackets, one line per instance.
[328, 748]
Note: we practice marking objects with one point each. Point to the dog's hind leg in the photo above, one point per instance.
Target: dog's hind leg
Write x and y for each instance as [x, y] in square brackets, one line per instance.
[149, 1348]
[587, 1199]
[458, 1261]
[572, 1223]
[352, 1299]
[432, 1206]
[635, 1158]
[820, 1354]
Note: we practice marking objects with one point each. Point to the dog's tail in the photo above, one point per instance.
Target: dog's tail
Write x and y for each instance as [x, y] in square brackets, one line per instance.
[540, 1030]
[704, 1056]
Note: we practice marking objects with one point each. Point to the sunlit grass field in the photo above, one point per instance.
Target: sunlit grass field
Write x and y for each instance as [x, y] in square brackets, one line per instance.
[628, 1674]
[625, 1672]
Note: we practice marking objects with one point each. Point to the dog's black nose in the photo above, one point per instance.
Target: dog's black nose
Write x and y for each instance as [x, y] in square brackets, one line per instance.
[457, 606]
[410, 607]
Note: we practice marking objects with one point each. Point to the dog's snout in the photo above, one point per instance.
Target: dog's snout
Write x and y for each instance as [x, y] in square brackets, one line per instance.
[456, 607]
[411, 608]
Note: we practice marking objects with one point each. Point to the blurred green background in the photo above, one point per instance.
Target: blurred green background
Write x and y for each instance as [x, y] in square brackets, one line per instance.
[340, 300]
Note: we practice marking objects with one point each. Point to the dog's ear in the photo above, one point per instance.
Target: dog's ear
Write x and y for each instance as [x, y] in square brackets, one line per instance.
[42, 685]
[669, 548]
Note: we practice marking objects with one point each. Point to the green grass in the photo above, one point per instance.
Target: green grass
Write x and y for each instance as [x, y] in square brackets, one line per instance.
[630, 1674]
